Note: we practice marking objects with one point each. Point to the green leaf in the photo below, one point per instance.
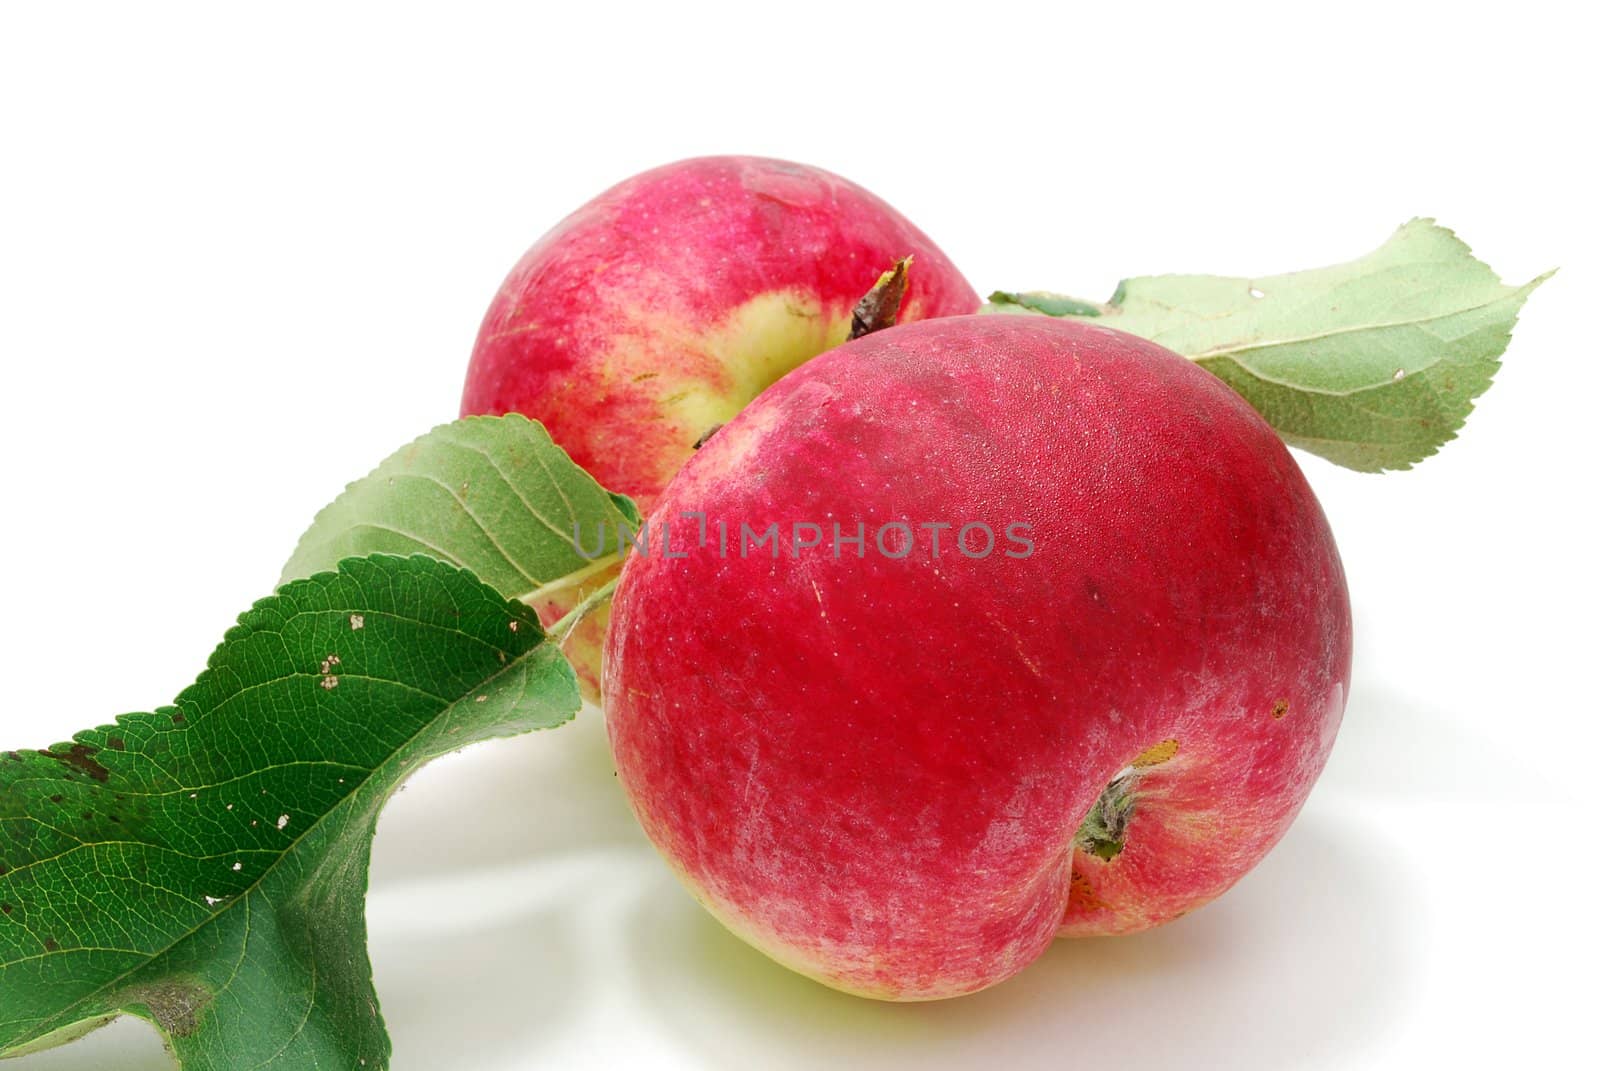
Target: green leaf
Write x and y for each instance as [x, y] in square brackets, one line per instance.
[1372, 364]
[204, 866]
[491, 494]
[1045, 302]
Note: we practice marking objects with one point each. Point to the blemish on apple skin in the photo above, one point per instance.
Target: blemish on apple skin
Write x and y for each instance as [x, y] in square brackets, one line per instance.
[1155, 754]
[1279, 709]
[1081, 895]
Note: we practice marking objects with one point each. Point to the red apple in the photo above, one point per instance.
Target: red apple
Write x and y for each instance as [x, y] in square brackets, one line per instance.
[662, 307]
[903, 774]
[657, 311]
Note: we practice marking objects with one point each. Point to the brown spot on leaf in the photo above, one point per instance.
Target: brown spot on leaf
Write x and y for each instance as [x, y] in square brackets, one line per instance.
[1280, 708]
[116, 743]
[51, 945]
[56, 798]
[1156, 754]
[5, 909]
[175, 1006]
[178, 719]
[80, 757]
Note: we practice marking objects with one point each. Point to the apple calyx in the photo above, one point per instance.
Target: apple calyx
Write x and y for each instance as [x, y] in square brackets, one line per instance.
[880, 306]
[1104, 831]
[1105, 828]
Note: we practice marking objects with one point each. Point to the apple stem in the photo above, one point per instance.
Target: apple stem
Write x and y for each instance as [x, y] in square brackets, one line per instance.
[571, 580]
[563, 627]
[880, 307]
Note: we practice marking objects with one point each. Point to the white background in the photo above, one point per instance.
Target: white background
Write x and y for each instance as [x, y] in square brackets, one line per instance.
[243, 255]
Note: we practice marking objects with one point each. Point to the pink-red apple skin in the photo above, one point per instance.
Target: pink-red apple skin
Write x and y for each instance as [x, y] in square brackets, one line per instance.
[663, 306]
[875, 770]
[658, 310]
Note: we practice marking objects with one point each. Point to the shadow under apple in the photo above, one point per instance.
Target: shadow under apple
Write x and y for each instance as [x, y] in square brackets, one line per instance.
[1293, 967]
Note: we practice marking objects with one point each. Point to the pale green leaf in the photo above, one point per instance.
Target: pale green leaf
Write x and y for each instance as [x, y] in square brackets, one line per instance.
[491, 494]
[1372, 364]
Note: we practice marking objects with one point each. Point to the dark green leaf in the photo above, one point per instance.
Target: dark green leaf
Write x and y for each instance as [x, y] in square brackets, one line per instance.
[205, 865]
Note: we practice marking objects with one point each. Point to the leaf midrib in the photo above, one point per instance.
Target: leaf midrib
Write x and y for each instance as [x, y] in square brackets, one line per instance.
[1233, 350]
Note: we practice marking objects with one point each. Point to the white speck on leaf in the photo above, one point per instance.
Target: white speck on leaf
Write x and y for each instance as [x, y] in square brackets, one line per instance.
[513, 626]
[1257, 293]
[238, 867]
[483, 699]
[357, 621]
[1399, 374]
[283, 820]
[330, 683]
[212, 901]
